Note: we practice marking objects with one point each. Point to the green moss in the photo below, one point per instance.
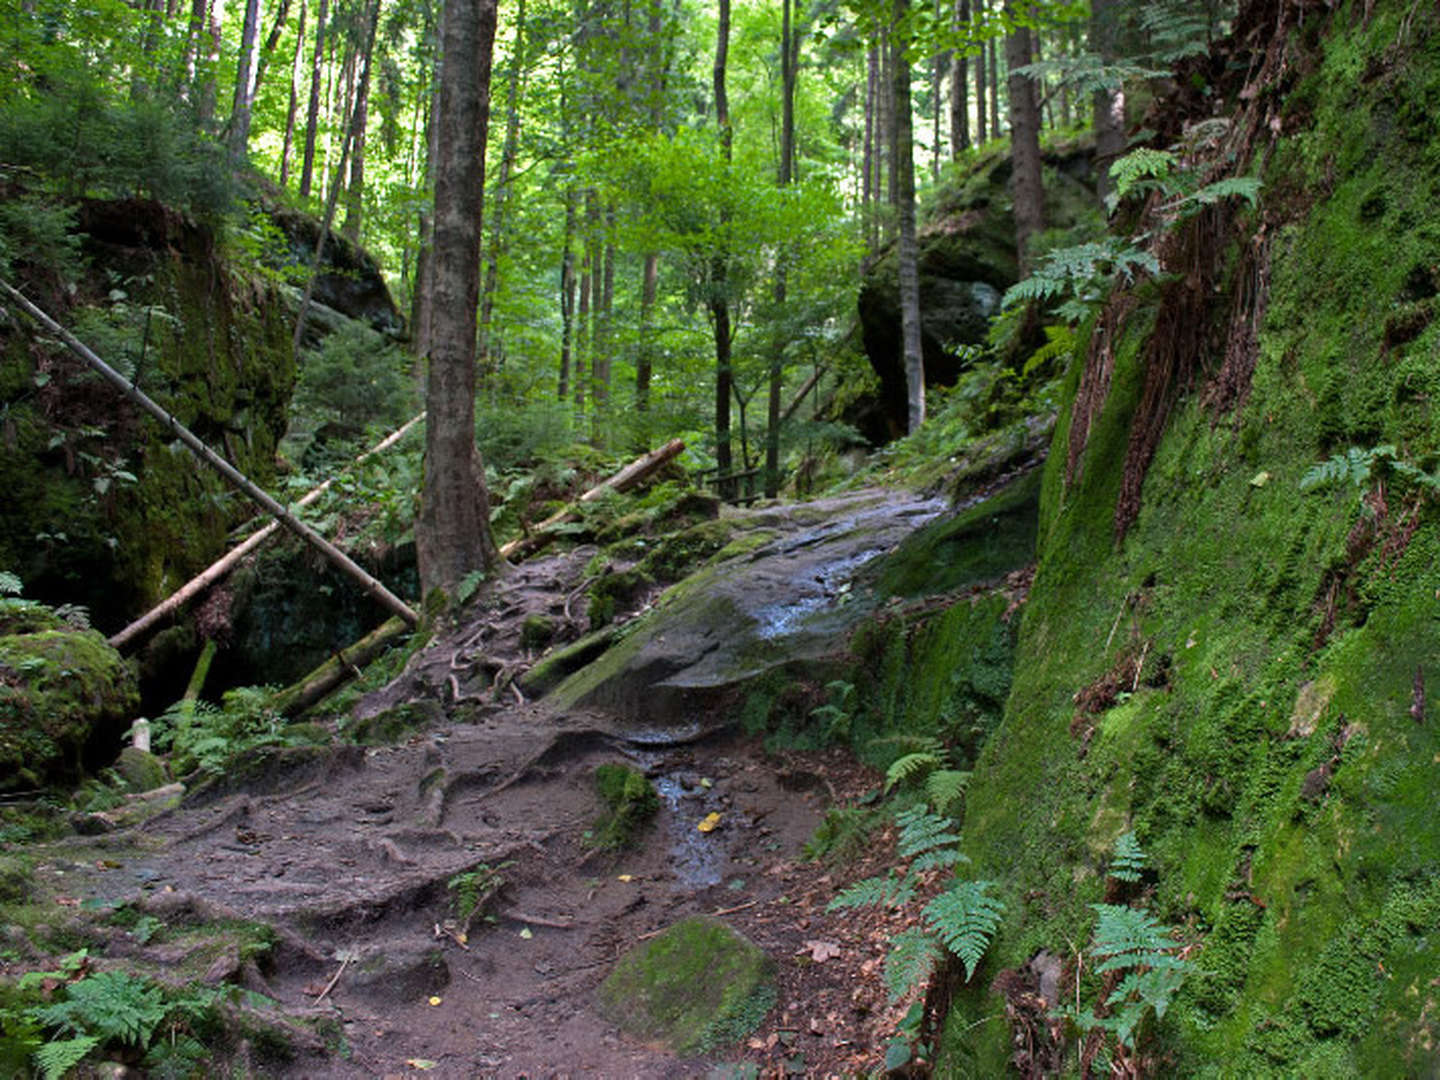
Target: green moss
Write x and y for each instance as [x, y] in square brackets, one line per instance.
[140, 769]
[537, 631]
[630, 802]
[60, 692]
[698, 985]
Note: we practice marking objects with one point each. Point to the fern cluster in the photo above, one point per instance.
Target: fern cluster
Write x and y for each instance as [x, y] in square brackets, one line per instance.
[1128, 861]
[962, 920]
[927, 769]
[1359, 467]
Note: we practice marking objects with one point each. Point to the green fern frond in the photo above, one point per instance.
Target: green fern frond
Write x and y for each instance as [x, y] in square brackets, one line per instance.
[945, 789]
[940, 858]
[1126, 937]
[1059, 343]
[1141, 164]
[1128, 861]
[911, 767]
[10, 584]
[887, 891]
[57, 1058]
[1243, 187]
[922, 831]
[911, 962]
[966, 918]
[108, 1004]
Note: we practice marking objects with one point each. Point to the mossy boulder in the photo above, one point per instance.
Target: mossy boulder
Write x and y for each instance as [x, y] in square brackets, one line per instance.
[142, 770]
[698, 986]
[64, 694]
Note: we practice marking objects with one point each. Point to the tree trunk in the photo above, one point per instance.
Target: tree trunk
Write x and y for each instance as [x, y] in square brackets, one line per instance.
[870, 176]
[582, 328]
[908, 254]
[719, 273]
[567, 295]
[239, 135]
[312, 113]
[272, 42]
[645, 360]
[994, 90]
[424, 257]
[452, 532]
[1028, 189]
[604, 333]
[1109, 104]
[939, 64]
[981, 82]
[789, 61]
[500, 201]
[960, 87]
[297, 72]
[360, 120]
[206, 96]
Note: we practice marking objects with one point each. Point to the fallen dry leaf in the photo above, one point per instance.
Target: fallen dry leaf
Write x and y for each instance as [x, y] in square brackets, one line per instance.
[820, 951]
[709, 822]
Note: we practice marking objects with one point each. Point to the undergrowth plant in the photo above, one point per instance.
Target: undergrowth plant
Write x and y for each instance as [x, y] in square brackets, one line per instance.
[927, 769]
[1360, 467]
[205, 737]
[961, 920]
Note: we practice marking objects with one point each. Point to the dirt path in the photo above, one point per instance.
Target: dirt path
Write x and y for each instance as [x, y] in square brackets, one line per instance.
[349, 852]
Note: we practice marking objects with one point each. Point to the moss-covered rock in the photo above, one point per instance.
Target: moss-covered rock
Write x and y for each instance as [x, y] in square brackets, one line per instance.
[630, 801]
[63, 694]
[142, 770]
[697, 986]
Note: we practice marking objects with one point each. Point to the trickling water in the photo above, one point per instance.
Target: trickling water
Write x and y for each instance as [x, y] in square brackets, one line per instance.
[695, 857]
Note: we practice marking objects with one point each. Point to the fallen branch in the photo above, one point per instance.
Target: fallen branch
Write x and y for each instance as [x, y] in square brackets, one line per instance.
[334, 979]
[227, 562]
[536, 920]
[372, 586]
[298, 697]
[631, 476]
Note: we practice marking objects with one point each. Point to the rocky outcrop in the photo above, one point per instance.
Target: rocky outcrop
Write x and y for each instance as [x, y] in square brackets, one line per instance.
[967, 261]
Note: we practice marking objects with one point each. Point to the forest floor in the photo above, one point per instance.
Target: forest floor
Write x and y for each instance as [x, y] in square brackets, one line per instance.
[349, 854]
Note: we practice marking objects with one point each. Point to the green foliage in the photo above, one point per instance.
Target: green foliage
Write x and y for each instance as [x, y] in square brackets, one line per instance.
[57, 1058]
[1358, 467]
[630, 801]
[472, 889]
[908, 767]
[1127, 862]
[108, 1005]
[1132, 943]
[205, 737]
[356, 380]
[844, 834]
[888, 891]
[913, 958]
[1079, 276]
[921, 832]
[835, 716]
[965, 918]
[10, 584]
[39, 230]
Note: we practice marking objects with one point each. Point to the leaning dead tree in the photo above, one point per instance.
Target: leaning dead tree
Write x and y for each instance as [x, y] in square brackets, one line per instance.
[197, 585]
[343, 562]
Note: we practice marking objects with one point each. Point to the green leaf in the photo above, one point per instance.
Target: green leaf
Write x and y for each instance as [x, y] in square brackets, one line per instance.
[966, 918]
[57, 1058]
[922, 831]
[1128, 861]
[911, 962]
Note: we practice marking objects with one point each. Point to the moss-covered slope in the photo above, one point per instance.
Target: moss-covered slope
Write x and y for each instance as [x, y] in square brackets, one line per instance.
[1241, 679]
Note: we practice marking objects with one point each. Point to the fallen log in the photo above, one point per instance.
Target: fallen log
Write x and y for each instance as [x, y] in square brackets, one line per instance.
[371, 585]
[631, 476]
[227, 562]
[295, 699]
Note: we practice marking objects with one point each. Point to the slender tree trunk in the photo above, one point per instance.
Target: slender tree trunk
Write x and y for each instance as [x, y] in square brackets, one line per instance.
[312, 113]
[960, 87]
[981, 82]
[890, 108]
[645, 361]
[501, 198]
[582, 327]
[272, 42]
[206, 95]
[189, 60]
[908, 253]
[939, 64]
[994, 90]
[297, 72]
[452, 532]
[567, 295]
[870, 175]
[719, 274]
[789, 61]
[360, 121]
[1109, 104]
[239, 135]
[423, 308]
[1028, 190]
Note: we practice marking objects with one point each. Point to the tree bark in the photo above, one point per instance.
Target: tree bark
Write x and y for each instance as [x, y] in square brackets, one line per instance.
[452, 533]
[719, 273]
[960, 87]
[870, 176]
[312, 113]
[567, 295]
[789, 59]
[355, 190]
[1028, 188]
[994, 90]
[272, 42]
[645, 360]
[1109, 105]
[297, 72]
[981, 82]
[500, 201]
[908, 253]
[239, 134]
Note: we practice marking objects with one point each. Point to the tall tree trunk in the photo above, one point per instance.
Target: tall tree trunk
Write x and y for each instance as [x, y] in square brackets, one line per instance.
[567, 295]
[720, 270]
[423, 306]
[187, 84]
[452, 532]
[207, 93]
[994, 90]
[501, 198]
[272, 42]
[582, 326]
[645, 360]
[959, 86]
[1028, 192]
[297, 72]
[360, 121]
[908, 253]
[939, 65]
[239, 134]
[1109, 104]
[789, 61]
[981, 82]
[870, 174]
[312, 113]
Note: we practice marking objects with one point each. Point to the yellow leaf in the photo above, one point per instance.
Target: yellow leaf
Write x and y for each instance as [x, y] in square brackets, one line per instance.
[435, 1001]
[527, 933]
[626, 877]
[709, 822]
[419, 1063]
